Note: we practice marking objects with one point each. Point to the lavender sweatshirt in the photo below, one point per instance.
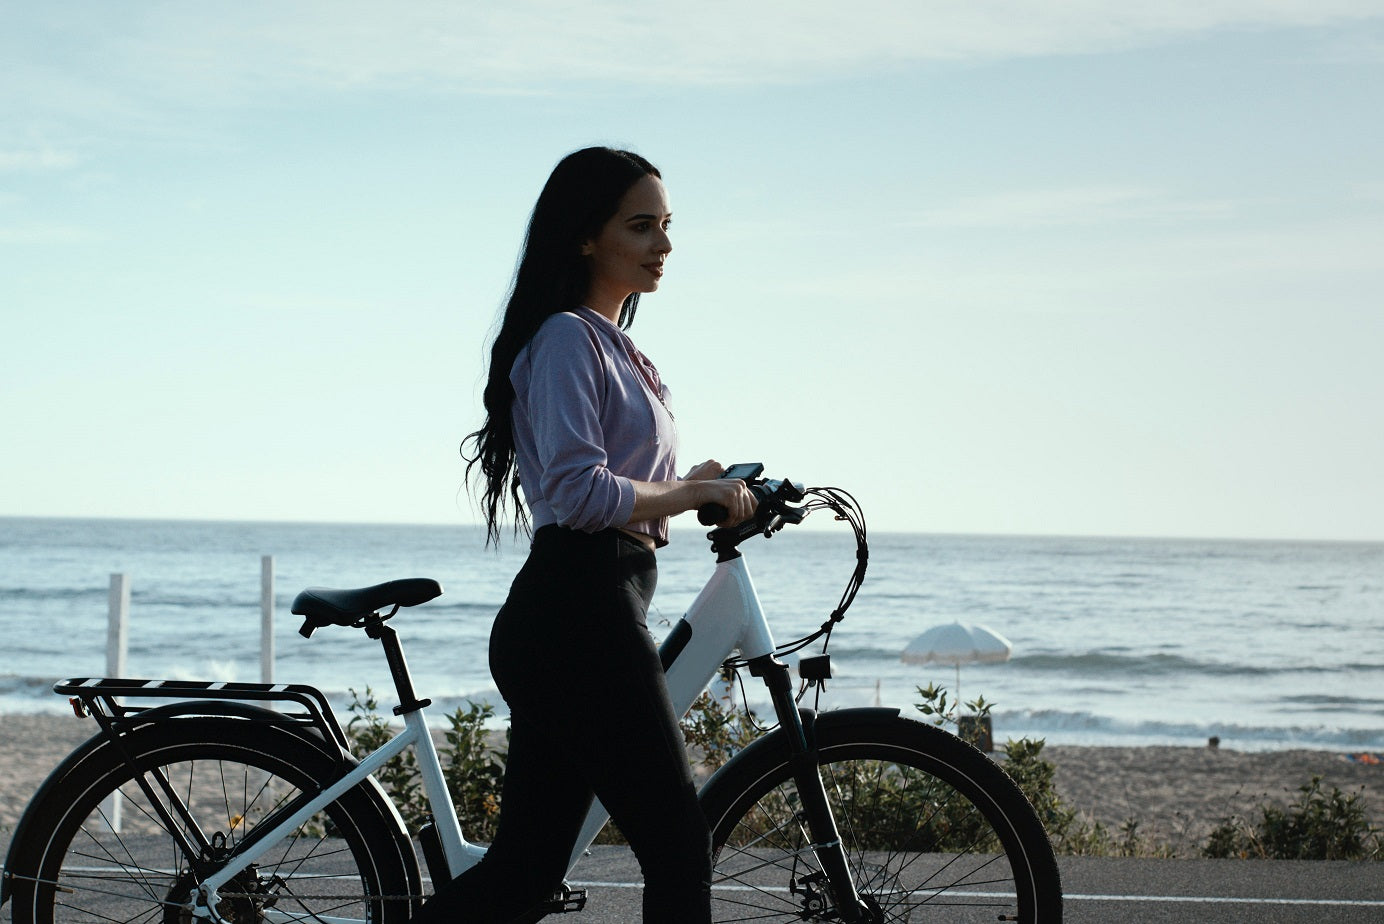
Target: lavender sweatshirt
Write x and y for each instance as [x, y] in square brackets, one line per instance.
[586, 422]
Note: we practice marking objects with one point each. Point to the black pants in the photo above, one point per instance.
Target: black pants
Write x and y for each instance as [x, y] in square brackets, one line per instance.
[589, 716]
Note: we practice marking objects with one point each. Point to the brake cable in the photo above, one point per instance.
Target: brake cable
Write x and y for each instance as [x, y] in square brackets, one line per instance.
[845, 508]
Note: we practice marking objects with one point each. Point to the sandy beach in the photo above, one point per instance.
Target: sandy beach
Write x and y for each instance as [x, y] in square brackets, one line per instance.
[1178, 794]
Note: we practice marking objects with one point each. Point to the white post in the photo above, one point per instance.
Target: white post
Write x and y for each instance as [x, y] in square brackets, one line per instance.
[266, 618]
[117, 627]
[117, 646]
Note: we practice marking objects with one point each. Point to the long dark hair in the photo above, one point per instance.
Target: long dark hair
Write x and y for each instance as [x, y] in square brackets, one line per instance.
[581, 195]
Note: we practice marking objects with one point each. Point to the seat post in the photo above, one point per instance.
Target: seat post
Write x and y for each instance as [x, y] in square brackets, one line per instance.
[398, 668]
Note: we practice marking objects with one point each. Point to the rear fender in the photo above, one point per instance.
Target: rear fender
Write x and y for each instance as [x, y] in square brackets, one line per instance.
[99, 746]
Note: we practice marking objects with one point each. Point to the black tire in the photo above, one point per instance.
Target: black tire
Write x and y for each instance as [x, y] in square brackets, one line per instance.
[933, 830]
[346, 862]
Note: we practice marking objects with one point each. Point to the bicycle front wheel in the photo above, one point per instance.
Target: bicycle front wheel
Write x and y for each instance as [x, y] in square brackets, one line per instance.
[110, 852]
[933, 830]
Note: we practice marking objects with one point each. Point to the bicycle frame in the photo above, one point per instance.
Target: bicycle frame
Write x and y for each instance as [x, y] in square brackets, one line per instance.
[725, 617]
[773, 807]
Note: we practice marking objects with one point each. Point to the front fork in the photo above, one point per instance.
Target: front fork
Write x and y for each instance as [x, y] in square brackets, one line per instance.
[799, 728]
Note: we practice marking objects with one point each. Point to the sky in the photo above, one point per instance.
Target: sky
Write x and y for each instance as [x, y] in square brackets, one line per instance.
[1066, 268]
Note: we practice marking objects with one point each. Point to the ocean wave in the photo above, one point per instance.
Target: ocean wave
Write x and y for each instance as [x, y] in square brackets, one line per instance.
[1315, 702]
[1091, 727]
[96, 597]
[1109, 662]
[13, 683]
[196, 603]
[10, 597]
[450, 608]
[844, 653]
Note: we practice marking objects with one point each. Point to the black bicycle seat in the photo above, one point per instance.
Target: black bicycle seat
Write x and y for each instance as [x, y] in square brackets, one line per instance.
[325, 606]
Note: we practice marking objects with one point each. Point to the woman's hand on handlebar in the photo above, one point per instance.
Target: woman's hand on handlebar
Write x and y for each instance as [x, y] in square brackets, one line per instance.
[731, 494]
[702, 486]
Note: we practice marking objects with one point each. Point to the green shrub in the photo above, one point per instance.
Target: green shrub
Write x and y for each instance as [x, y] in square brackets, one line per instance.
[474, 768]
[1069, 830]
[715, 731]
[936, 705]
[1318, 826]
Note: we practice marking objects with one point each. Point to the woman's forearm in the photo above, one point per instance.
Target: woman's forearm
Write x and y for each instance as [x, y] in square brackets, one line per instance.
[655, 499]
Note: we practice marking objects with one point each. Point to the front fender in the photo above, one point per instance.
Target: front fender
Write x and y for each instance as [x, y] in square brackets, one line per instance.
[775, 744]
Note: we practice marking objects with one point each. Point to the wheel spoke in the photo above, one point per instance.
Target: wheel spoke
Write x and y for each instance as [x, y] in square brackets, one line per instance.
[226, 778]
[927, 824]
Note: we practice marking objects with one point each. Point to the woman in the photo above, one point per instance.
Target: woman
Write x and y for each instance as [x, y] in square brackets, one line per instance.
[578, 418]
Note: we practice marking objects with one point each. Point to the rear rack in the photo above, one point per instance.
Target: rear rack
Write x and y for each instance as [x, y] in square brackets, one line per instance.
[98, 696]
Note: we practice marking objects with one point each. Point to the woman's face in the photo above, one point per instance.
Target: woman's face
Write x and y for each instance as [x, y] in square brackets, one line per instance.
[627, 255]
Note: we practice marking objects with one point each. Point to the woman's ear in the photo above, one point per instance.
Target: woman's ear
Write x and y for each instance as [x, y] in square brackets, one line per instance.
[586, 247]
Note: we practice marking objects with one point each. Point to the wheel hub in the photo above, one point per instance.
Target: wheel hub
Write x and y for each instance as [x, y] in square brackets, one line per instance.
[243, 900]
[817, 905]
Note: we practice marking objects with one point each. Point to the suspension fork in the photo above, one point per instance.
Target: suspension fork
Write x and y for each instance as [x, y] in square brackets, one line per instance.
[799, 730]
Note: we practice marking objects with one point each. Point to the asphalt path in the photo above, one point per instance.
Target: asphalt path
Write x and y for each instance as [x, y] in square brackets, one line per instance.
[1105, 890]
[1096, 889]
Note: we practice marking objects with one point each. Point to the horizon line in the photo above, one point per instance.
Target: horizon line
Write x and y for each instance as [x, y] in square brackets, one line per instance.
[675, 527]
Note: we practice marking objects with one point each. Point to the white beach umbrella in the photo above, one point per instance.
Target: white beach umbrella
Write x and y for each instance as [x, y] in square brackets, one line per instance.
[957, 643]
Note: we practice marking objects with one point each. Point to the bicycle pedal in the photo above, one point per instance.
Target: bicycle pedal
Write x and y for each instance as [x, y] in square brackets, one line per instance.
[567, 899]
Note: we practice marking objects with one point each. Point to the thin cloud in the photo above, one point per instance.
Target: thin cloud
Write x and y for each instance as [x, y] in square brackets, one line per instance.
[224, 51]
[48, 234]
[1371, 192]
[1070, 206]
[37, 160]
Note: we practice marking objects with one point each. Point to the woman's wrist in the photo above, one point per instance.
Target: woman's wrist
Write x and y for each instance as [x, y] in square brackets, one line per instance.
[654, 500]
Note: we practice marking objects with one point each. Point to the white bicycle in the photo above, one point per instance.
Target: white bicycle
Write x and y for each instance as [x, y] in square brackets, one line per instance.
[240, 803]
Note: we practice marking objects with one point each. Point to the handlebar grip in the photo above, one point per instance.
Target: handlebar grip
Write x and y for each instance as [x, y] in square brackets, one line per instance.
[711, 514]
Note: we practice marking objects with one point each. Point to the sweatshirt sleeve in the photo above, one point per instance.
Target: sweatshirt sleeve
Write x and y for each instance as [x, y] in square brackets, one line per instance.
[566, 384]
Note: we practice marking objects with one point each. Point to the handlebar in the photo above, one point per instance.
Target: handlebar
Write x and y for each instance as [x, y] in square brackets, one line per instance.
[782, 503]
[711, 514]
[768, 492]
[773, 496]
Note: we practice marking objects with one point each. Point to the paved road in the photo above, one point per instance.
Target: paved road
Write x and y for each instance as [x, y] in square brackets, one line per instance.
[1210, 891]
[1105, 890]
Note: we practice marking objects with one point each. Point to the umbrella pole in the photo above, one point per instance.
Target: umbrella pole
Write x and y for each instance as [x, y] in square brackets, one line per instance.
[958, 687]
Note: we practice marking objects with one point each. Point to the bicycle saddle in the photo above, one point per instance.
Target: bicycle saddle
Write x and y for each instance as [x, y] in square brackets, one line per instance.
[324, 606]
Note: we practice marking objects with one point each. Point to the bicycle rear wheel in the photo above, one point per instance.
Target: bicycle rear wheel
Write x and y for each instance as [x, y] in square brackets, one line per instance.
[933, 831]
[106, 854]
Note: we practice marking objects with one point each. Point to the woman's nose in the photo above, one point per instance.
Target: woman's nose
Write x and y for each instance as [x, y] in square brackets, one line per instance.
[663, 243]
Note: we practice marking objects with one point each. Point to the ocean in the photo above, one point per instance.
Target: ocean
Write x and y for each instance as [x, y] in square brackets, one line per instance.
[1263, 644]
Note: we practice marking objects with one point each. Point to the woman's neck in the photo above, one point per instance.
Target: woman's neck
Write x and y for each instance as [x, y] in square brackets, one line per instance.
[608, 305]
